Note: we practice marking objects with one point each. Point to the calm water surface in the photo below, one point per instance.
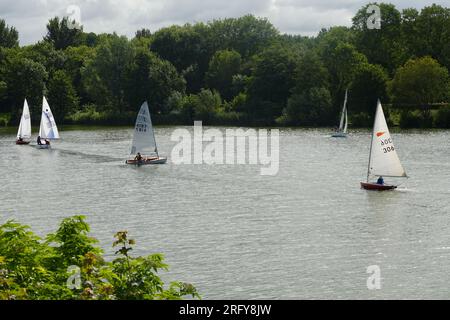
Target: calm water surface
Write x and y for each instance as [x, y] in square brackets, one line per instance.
[309, 232]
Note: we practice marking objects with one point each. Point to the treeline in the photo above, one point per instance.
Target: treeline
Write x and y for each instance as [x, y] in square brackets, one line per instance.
[236, 71]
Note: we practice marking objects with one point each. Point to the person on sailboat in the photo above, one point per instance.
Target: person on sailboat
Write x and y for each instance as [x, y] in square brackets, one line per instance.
[47, 142]
[39, 142]
[138, 157]
[380, 180]
[20, 139]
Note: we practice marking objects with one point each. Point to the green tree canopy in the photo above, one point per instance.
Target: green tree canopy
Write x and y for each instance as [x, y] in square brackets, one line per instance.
[154, 80]
[420, 81]
[223, 66]
[106, 74]
[63, 33]
[61, 95]
[9, 37]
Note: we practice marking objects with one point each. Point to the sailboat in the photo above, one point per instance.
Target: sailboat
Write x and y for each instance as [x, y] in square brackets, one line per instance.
[48, 129]
[343, 125]
[144, 142]
[24, 131]
[383, 158]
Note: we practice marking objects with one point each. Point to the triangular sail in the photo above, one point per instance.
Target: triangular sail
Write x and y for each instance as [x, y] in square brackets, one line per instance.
[48, 129]
[384, 160]
[144, 137]
[25, 123]
[343, 125]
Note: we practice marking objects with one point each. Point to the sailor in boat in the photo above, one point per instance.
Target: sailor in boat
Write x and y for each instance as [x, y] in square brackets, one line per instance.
[138, 157]
[20, 139]
[39, 142]
[380, 181]
[47, 142]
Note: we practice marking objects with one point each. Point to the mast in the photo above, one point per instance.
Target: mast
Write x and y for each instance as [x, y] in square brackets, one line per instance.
[156, 146]
[371, 143]
[153, 132]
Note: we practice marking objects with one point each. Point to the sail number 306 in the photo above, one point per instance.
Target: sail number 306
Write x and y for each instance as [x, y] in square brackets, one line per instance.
[387, 146]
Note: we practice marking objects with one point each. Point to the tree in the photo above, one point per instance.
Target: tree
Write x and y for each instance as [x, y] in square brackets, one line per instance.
[271, 82]
[420, 82]
[223, 66]
[311, 107]
[247, 35]
[61, 95]
[310, 102]
[63, 33]
[9, 37]
[154, 80]
[32, 88]
[143, 33]
[69, 265]
[105, 76]
[77, 58]
[384, 46]
[184, 47]
[369, 85]
[433, 37]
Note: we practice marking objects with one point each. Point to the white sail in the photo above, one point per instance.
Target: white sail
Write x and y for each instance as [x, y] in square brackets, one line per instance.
[384, 160]
[144, 137]
[343, 125]
[25, 123]
[48, 129]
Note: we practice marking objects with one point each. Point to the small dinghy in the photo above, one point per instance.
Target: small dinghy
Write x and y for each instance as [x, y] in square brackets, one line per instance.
[24, 132]
[343, 125]
[144, 142]
[383, 158]
[48, 129]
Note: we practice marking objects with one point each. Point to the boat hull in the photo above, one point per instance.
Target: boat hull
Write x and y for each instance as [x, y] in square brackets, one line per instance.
[377, 187]
[22, 143]
[43, 146]
[339, 135]
[147, 161]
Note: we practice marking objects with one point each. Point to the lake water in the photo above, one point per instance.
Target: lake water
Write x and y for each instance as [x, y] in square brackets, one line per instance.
[308, 232]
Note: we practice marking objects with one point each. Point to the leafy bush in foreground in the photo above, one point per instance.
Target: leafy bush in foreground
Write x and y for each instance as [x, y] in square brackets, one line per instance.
[68, 265]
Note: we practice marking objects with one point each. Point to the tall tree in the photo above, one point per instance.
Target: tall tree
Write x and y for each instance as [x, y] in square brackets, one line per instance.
[223, 66]
[369, 85]
[61, 95]
[384, 46]
[63, 33]
[271, 82]
[420, 82]
[154, 80]
[310, 102]
[9, 37]
[104, 77]
[25, 79]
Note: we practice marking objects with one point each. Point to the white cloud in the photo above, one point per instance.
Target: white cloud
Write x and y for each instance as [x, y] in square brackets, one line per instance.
[304, 17]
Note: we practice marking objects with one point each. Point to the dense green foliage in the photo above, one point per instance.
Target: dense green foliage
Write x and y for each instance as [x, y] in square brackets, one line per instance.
[236, 71]
[68, 265]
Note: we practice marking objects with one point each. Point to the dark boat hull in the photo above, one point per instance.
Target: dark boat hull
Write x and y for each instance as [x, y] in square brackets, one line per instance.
[22, 143]
[377, 187]
[147, 161]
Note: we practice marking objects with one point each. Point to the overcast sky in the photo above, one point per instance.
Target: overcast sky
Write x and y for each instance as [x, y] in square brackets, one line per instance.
[305, 17]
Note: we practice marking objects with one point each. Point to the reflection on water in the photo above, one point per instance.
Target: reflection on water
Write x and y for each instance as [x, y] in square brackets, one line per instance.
[309, 232]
